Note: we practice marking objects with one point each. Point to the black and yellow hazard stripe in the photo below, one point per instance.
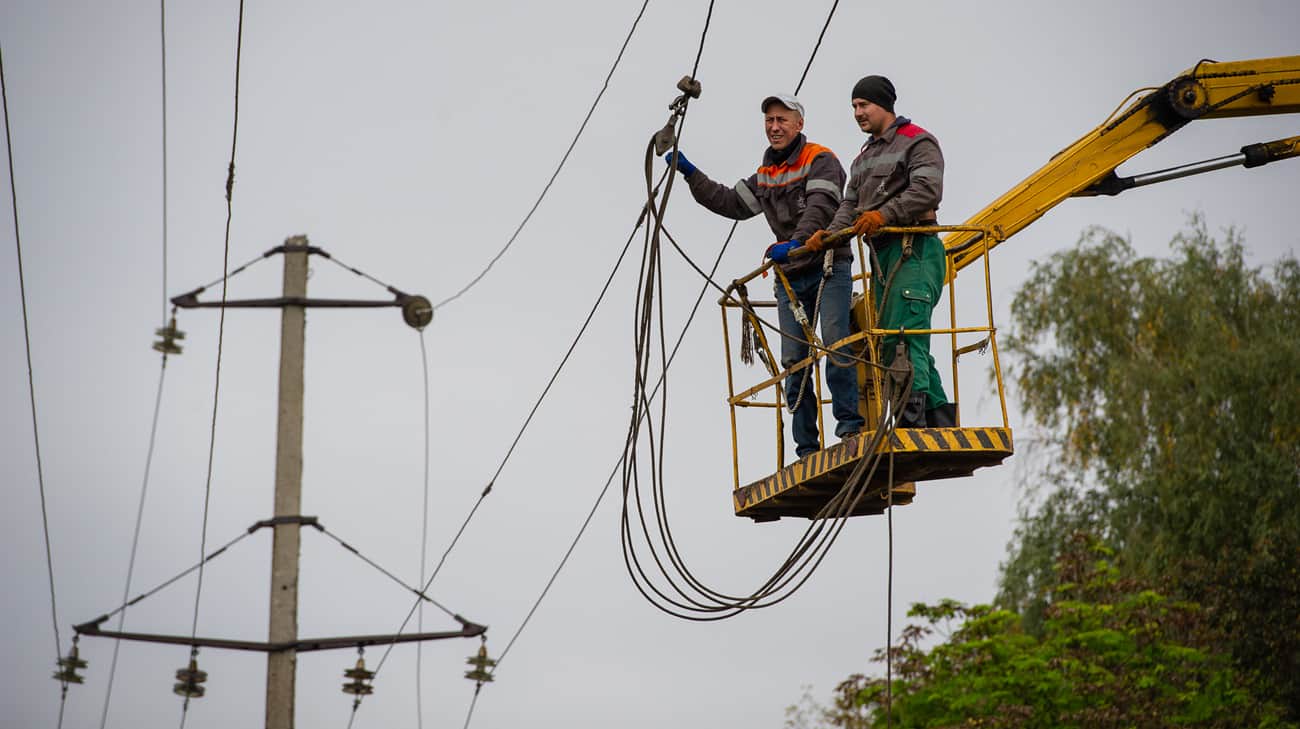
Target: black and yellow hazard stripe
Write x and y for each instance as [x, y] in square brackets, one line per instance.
[952, 439]
[994, 441]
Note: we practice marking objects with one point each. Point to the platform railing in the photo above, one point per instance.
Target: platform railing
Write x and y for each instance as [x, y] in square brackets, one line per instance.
[867, 338]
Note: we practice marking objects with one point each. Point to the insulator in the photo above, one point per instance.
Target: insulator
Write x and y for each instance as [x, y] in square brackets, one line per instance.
[170, 335]
[359, 675]
[359, 672]
[417, 311]
[358, 688]
[481, 663]
[191, 680]
[68, 666]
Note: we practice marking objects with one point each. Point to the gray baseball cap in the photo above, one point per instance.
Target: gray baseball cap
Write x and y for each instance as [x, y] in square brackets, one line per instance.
[785, 100]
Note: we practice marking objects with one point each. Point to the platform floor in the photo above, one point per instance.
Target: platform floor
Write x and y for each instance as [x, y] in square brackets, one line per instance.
[920, 454]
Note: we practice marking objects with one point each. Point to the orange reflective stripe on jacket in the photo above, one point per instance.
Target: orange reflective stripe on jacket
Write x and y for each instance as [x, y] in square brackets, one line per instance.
[791, 170]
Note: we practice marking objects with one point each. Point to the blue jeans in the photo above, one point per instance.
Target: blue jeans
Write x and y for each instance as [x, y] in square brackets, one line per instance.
[841, 381]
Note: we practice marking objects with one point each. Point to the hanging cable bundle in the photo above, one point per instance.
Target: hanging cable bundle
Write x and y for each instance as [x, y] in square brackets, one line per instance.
[672, 587]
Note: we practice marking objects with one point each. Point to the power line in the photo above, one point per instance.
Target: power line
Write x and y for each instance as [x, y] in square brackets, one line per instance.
[695, 67]
[487, 490]
[162, 32]
[473, 702]
[581, 128]
[135, 537]
[424, 539]
[809, 551]
[600, 497]
[581, 331]
[604, 490]
[817, 46]
[221, 329]
[153, 428]
[31, 383]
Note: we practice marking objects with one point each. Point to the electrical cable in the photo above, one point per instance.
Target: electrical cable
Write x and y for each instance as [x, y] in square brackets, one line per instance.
[565, 158]
[708, 16]
[808, 552]
[488, 489]
[848, 497]
[31, 381]
[656, 389]
[424, 540]
[889, 604]
[472, 703]
[221, 325]
[600, 497]
[816, 47]
[600, 298]
[221, 328]
[153, 428]
[135, 537]
[591, 513]
[847, 357]
[162, 32]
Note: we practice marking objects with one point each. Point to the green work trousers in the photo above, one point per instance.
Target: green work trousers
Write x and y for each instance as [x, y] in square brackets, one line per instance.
[912, 297]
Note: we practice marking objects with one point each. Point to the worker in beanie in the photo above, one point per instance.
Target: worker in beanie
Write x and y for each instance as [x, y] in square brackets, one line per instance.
[897, 180]
[797, 189]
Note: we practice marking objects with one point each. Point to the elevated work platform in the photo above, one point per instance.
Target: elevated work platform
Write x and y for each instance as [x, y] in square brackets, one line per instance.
[920, 454]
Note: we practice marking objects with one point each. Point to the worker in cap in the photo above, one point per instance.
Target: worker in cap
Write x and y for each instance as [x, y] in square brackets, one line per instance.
[897, 180]
[797, 188]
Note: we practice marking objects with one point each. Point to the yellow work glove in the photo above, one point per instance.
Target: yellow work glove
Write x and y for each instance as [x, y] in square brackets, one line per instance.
[868, 223]
[816, 241]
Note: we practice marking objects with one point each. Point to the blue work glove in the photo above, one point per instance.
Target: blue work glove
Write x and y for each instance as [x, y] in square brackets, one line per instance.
[780, 252]
[683, 164]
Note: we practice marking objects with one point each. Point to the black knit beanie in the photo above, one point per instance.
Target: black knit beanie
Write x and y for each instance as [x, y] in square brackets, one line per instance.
[876, 89]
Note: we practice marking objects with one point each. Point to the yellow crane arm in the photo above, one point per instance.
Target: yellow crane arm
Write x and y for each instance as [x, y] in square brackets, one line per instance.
[1209, 90]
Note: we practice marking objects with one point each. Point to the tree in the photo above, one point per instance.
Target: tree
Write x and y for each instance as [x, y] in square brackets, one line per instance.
[1111, 653]
[1171, 389]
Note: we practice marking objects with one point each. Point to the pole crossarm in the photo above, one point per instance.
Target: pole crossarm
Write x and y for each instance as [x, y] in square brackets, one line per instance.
[191, 301]
[416, 309]
[468, 630]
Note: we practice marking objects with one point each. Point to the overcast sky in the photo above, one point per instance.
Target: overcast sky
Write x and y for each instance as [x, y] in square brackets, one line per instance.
[409, 139]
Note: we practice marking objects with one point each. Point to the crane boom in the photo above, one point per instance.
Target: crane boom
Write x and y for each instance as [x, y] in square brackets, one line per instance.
[1209, 90]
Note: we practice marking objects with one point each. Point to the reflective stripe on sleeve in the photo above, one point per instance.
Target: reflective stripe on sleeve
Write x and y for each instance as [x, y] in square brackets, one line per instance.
[824, 186]
[747, 197]
[927, 172]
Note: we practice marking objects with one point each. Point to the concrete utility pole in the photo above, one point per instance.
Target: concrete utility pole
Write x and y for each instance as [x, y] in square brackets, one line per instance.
[281, 666]
[283, 644]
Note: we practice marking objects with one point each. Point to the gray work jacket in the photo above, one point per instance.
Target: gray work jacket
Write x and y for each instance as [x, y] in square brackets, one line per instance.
[797, 196]
[898, 172]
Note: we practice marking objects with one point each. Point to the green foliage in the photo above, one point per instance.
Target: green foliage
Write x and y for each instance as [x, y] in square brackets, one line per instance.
[1111, 653]
[1168, 395]
[1171, 391]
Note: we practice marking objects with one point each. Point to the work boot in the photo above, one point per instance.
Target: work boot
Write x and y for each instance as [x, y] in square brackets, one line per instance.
[912, 414]
[850, 441]
[943, 416]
